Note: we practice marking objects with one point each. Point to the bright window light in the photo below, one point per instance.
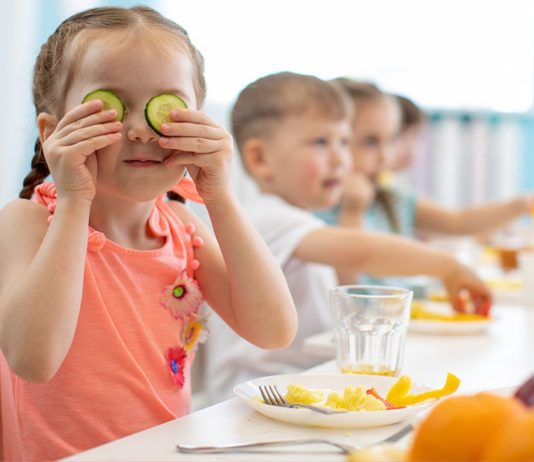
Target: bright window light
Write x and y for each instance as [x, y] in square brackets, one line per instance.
[475, 54]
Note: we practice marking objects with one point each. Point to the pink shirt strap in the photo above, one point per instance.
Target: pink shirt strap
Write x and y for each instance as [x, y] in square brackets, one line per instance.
[186, 188]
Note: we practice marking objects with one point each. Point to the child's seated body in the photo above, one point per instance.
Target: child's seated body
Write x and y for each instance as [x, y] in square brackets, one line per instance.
[385, 135]
[293, 133]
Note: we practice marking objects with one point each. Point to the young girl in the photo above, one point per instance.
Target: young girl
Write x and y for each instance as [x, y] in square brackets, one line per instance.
[102, 280]
[367, 203]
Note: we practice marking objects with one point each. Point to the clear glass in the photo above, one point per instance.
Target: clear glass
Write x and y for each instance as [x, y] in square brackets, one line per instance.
[370, 326]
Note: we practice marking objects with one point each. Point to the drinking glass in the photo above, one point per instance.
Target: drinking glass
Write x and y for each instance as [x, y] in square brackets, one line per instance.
[370, 327]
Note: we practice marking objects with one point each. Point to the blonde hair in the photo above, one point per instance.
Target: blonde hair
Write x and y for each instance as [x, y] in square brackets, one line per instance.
[268, 100]
[54, 67]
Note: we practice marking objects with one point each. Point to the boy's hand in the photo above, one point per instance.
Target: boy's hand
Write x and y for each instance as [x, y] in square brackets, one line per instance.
[69, 150]
[463, 285]
[203, 146]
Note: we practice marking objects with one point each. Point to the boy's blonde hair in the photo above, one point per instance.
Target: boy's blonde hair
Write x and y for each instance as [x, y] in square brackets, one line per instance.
[55, 64]
[265, 102]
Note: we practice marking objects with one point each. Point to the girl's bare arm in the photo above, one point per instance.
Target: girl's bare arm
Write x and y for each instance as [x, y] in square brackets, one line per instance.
[41, 284]
[240, 278]
[435, 218]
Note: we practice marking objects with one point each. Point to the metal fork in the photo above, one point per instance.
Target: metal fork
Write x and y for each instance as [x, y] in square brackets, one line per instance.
[254, 447]
[273, 397]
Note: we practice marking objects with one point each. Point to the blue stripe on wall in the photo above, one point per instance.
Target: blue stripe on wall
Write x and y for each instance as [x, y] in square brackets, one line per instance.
[527, 174]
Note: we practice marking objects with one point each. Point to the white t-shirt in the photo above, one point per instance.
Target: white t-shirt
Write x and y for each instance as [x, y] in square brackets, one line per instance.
[229, 359]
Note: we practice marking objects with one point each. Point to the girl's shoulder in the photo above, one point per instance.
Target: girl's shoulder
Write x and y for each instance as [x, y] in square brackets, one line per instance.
[24, 213]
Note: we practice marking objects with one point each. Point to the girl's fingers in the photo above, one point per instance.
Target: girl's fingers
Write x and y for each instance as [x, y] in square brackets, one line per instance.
[190, 158]
[93, 119]
[79, 112]
[190, 115]
[89, 146]
[90, 132]
[192, 130]
[198, 145]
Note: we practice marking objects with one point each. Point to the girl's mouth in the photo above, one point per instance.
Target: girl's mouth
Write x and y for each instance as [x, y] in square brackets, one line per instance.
[145, 162]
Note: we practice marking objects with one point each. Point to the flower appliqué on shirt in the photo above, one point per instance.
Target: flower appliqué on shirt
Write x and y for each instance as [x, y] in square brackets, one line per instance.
[176, 360]
[183, 298]
[194, 333]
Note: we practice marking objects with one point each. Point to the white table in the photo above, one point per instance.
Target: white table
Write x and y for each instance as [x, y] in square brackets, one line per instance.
[502, 357]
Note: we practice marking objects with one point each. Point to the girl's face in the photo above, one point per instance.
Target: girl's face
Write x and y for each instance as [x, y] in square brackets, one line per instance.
[133, 168]
[375, 127]
[308, 157]
[408, 147]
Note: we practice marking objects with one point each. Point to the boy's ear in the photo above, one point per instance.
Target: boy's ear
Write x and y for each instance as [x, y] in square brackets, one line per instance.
[46, 124]
[255, 159]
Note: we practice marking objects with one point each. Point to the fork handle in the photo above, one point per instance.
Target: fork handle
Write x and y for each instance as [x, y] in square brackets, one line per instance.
[311, 407]
[192, 449]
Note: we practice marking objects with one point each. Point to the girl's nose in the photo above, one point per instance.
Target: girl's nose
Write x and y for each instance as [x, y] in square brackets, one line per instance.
[137, 129]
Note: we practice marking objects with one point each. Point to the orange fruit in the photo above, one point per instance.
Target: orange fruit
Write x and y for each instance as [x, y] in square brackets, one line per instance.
[460, 427]
[514, 442]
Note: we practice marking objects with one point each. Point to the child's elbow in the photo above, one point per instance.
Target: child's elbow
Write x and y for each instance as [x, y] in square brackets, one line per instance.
[282, 334]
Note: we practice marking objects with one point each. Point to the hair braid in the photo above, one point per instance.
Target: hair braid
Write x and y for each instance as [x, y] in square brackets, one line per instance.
[37, 174]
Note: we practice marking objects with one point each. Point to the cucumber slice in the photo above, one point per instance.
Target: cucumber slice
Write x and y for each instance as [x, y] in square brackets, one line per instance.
[158, 108]
[110, 100]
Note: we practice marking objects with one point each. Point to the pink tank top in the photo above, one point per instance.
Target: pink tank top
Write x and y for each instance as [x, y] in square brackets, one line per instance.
[128, 366]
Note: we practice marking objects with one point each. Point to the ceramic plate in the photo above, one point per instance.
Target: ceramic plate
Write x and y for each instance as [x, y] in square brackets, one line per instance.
[249, 393]
[431, 326]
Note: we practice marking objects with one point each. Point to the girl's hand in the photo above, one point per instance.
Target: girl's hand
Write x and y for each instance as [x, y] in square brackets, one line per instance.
[463, 285]
[358, 194]
[203, 146]
[70, 149]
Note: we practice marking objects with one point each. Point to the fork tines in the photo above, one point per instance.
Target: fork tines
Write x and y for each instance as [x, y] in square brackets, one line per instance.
[271, 395]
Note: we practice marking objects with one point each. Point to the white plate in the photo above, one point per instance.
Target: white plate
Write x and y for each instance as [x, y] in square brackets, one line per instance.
[426, 326]
[249, 393]
[430, 326]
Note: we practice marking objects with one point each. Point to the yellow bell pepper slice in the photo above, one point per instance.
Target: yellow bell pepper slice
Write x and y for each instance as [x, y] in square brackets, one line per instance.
[399, 395]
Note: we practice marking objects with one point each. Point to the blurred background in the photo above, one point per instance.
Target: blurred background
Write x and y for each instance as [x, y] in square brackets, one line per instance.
[468, 63]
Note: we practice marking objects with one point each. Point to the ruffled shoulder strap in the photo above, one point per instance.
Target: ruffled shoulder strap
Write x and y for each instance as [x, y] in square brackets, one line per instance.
[186, 188]
[46, 194]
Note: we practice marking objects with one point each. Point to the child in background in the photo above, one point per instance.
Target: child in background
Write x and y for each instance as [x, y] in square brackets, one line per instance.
[293, 133]
[388, 209]
[410, 134]
[102, 279]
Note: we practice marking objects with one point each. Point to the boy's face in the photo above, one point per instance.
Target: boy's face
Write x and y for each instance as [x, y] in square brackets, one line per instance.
[308, 157]
[134, 168]
[375, 127]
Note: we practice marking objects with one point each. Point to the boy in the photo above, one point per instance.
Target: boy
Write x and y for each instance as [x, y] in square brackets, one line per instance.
[293, 134]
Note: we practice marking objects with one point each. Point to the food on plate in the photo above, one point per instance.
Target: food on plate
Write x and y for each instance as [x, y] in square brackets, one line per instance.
[158, 108]
[421, 312]
[302, 395]
[353, 398]
[110, 100]
[399, 393]
[462, 428]
[360, 398]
